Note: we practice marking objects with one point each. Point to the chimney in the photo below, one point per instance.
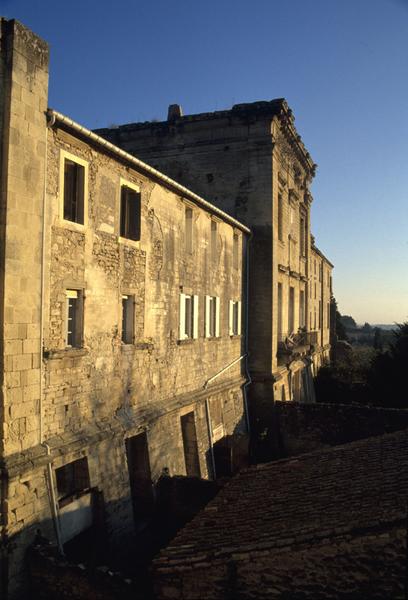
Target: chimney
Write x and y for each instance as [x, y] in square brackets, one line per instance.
[175, 112]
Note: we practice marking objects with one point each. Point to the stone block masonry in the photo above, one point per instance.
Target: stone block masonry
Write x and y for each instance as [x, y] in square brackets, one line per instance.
[106, 340]
[251, 162]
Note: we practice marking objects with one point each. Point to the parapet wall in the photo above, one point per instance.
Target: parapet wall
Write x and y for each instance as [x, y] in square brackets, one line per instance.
[304, 428]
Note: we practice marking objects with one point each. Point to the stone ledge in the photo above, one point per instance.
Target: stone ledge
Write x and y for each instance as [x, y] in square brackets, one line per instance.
[21, 463]
[66, 353]
[186, 341]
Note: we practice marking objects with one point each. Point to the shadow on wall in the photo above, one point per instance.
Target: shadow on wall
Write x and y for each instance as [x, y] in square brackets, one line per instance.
[94, 565]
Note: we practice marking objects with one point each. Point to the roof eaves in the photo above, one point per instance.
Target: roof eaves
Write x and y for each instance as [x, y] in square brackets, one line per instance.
[54, 116]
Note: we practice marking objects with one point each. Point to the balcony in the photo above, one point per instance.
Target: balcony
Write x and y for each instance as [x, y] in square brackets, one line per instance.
[292, 345]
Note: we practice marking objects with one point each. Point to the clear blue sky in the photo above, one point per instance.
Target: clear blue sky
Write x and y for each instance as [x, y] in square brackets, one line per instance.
[341, 64]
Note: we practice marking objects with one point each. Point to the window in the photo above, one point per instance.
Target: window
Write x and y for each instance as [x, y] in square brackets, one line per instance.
[190, 445]
[212, 316]
[127, 319]
[214, 231]
[302, 308]
[74, 312]
[141, 486]
[188, 233]
[73, 191]
[320, 314]
[280, 217]
[280, 321]
[234, 317]
[302, 235]
[328, 315]
[129, 213]
[72, 480]
[235, 251]
[188, 325]
[73, 188]
[291, 320]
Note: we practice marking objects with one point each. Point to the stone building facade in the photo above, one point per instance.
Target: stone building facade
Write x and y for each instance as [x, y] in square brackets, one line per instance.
[320, 294]
[251, 162]
[122, 323]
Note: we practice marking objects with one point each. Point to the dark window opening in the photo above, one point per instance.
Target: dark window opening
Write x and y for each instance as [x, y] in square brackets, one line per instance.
[129, 213]
[235, 251]
[191, 458]
[188, 240]
[74, 180]
[72, 480]
[212, 316]
[137, 452]
[127, 319]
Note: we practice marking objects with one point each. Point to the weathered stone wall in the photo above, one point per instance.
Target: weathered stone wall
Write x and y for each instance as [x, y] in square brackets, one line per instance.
[24, 100]
[90, 399]
[302, 428]
[243, 160]
[319, 302]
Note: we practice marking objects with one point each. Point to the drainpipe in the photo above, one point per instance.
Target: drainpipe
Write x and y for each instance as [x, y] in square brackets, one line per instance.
[53, 500]
[50, 479]
[246, 340]
[209, 431]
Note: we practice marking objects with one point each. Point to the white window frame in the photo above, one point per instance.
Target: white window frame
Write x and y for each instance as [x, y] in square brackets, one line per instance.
[64, 155]
[212, 316]
[234, 317]
[188, 330]
[78, 295]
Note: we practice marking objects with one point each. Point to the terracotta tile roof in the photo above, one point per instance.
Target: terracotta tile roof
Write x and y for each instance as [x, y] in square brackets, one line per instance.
[351, 488]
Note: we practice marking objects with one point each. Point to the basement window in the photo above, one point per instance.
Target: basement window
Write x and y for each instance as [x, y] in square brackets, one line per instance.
[130, 209]
[127, 319]
[72, 481]
[234, 317]
[212, 316]
[188, 325]
[74, 313]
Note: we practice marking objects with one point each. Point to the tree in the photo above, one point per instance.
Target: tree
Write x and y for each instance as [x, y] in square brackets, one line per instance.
[366, 328]
[340, 330]
[387, 378]
[378, 342]
[348, 322]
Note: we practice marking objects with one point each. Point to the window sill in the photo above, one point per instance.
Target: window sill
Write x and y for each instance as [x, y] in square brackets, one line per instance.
[235, 336]
[137, 346]
[213, 338]
[129, 242]
[66, 353]
[186, 341]
[72, 225]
